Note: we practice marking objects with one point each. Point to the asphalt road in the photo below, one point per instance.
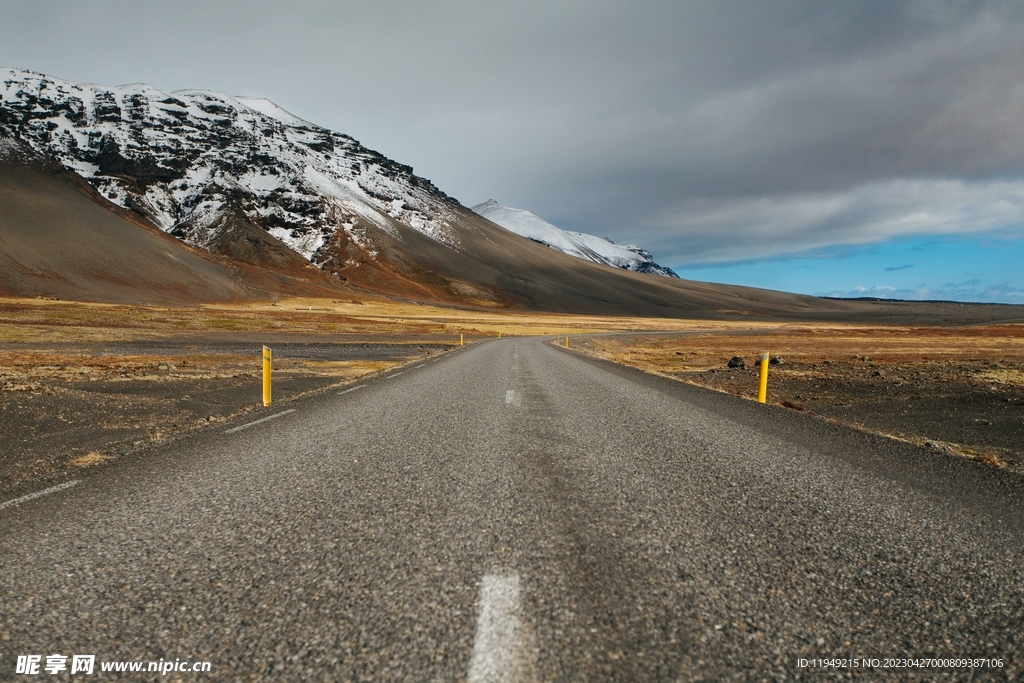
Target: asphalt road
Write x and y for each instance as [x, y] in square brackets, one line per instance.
[512, 511]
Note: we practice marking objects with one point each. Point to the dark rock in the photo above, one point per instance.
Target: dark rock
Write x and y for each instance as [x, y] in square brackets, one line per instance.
[776, 360]
[737, 362]
[106, 108]
[143, 167]
[218, 109]
[322, 144]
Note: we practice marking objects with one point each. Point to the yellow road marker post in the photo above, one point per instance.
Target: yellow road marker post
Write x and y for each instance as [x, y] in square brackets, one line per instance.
[462, 340]
[762, 392]
[566, 341]
[267, 370]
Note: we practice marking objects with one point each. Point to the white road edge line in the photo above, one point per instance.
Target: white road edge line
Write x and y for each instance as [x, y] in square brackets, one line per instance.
[501, 647]
[421, 365]
[352, 389]
[256, 422]
[510, 395]
[37, 494]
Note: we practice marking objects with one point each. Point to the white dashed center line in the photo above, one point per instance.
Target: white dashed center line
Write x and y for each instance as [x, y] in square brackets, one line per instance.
[501, 649]
[256, 422]
[352, 389]
[37, 494]
[510, 395]
[394, 375]
[421, 365]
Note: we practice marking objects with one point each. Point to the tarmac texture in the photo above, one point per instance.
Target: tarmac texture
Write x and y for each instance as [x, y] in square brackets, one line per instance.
[511, 511]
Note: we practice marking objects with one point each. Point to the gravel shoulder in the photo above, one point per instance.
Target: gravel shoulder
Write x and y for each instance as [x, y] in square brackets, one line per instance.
[956, 390]
[69, 406]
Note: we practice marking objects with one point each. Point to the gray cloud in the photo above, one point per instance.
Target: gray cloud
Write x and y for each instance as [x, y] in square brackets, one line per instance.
[765, 226]
[892, 269]
[704, 131]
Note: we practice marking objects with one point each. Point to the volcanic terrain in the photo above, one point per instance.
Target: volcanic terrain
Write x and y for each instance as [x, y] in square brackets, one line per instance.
[261, 203]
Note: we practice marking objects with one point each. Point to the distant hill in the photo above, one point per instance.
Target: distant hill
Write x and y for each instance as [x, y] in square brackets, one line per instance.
[578, 244]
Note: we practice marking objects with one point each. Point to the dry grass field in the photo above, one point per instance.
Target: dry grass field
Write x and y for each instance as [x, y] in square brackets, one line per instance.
[77, 407]
[46, 320]
[84, 383]
[956, 389]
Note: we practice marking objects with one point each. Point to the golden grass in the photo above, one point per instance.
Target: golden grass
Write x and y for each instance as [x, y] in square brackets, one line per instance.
[701, 346]
[987, 456]
[814, 343]
[342, 369]
[89, 459]
[42, 320]
[1014, 377]
[21, 369]
[824, 351]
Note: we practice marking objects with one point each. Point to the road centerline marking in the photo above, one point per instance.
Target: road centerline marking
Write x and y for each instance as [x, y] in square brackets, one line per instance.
[510, 395]
[394, 375]
[351, 389]
[421, 365]
[256, 422]
[39, 494]
[500, 651]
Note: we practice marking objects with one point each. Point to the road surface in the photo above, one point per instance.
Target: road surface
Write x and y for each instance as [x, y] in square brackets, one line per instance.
[513, 511]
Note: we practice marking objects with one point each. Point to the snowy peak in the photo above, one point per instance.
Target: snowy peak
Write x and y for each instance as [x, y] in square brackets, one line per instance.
[532, 226]
[194, 161]
[578, 244]
[268, 108]
[243, 178]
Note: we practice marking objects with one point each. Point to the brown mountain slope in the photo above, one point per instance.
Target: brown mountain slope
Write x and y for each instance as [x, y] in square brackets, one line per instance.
[59, 238]
[271, 203]
[56, 240]
[493, 266]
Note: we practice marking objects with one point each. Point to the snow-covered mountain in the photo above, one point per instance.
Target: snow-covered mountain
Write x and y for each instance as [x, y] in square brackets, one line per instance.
[578, 244]
[196, 163]
[270, 203]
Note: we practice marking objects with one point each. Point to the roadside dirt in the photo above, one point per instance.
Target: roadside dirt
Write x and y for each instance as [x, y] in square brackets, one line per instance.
[84, 383]
[63, 407]
[959, 390]
[81, 384]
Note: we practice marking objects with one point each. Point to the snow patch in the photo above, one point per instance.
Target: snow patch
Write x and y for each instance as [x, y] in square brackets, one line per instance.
[189, 154]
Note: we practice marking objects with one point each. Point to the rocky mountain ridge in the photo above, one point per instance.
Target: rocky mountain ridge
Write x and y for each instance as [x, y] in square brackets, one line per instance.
[233, 175]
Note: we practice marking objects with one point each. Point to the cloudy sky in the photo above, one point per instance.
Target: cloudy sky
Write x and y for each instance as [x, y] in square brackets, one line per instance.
[852, 148]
